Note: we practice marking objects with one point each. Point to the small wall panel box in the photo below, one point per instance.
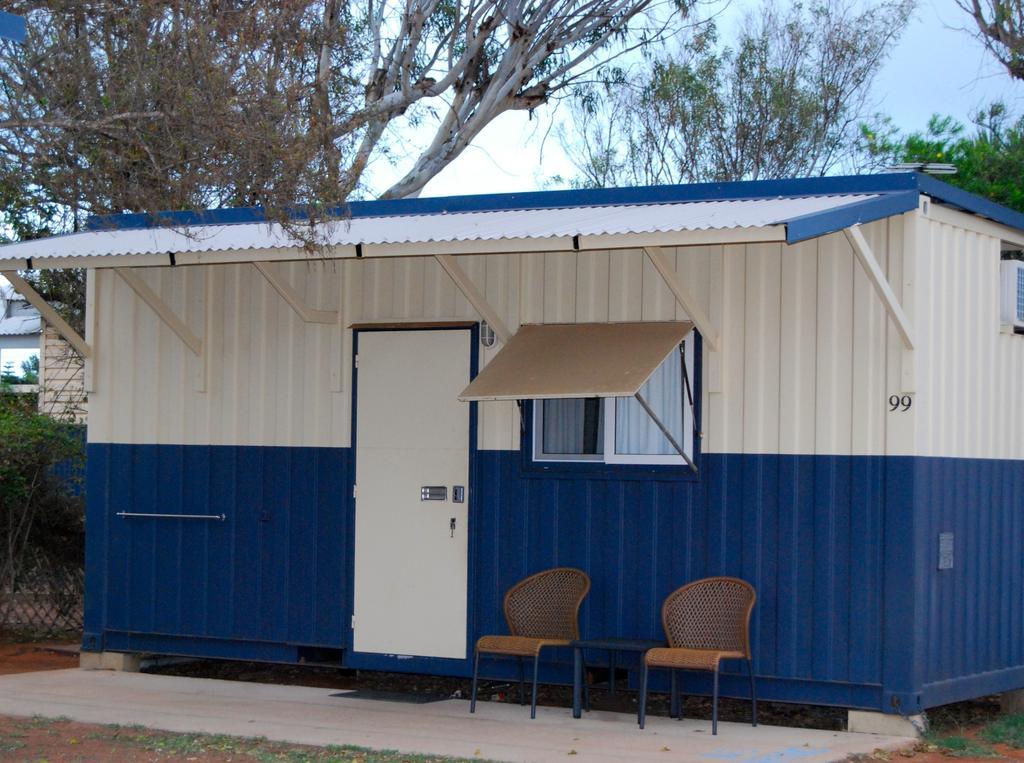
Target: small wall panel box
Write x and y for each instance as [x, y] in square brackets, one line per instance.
[1012, 313]
[945, 551]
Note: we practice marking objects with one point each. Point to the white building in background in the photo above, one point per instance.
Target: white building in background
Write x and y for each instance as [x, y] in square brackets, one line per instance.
[61, 385]
[20, 326]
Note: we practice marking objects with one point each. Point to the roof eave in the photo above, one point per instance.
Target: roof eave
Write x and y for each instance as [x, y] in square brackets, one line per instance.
[530, 200]
[818, 224]
[970, 202]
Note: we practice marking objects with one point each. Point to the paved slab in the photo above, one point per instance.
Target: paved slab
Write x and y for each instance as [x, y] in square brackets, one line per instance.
[325, 716]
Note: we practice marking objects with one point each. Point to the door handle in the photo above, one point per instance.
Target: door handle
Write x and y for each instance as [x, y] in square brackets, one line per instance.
[451, 527]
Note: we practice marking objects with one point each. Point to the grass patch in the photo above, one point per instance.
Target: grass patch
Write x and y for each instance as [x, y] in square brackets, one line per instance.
[1008, 730]
[254, 748]
[962, 747]
[40, 722]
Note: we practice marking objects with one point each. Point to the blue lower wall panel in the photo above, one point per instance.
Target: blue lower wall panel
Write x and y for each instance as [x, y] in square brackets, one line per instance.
[807, 531]
[973, 613]
[275, 571]
[803, 529]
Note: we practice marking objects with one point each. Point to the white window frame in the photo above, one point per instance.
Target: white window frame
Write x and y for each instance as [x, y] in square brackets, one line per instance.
[610, 456]
[538, 440]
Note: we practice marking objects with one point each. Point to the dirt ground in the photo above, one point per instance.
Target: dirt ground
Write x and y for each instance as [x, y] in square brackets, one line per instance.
[27, 657]
[61, 741]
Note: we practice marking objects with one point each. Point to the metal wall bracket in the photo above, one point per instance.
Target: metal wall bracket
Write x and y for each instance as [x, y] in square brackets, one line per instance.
[51, 316]
[685, 299]
[162, 310]
[473, 295]
[864, 255]
[292, 297]
[665, 431]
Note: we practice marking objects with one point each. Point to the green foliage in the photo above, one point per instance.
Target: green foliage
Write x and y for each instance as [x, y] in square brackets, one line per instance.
[41, 522]
[30, 370]
[1007, 730]
[989, 160]
[64, 290]
[30, 444]
[29, 373]
[962, 747]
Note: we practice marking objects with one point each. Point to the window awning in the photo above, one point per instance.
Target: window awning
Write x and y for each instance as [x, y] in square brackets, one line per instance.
[560, 360]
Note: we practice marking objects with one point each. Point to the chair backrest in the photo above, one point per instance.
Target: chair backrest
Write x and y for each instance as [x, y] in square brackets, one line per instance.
[713, 613]
[547, 604]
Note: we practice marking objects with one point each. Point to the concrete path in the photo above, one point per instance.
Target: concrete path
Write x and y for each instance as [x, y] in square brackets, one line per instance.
[321, 717]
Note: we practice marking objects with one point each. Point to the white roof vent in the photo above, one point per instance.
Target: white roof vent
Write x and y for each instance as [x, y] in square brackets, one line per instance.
[930, 168]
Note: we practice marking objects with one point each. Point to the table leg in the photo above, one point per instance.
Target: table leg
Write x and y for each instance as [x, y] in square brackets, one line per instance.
[577, 681]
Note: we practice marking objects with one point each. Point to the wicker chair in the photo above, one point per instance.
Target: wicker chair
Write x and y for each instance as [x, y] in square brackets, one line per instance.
[542, 611]
[706, 621]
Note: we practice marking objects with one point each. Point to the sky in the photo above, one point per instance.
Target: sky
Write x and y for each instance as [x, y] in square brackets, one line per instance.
[936, 66]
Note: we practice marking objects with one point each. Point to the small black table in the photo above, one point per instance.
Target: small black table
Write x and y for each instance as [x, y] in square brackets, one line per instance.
[611, 645]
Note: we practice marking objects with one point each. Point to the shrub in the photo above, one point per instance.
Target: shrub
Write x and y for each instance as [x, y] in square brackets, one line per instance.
[41, 519]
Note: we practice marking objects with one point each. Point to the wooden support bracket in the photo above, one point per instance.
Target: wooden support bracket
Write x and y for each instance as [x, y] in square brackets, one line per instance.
[292, 297]
[685, 299]
[162, 310]
[49, 314]
[473, 295]
[862, 250]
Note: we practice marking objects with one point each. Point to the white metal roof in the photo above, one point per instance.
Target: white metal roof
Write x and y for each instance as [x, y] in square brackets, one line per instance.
[528, 224]
[20, 325]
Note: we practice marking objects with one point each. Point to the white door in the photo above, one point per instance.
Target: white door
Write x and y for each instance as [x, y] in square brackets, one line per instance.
[412, 432]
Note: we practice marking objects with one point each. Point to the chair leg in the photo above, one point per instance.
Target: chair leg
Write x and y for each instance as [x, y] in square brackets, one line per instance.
[642, 710]
[714, 705]
[533, 700]
[522, 682]
[476, 672]
[674, 704]
[753, 693]
[586, 688]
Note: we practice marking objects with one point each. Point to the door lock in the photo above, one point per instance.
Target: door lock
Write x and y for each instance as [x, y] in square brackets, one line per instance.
[451, 527]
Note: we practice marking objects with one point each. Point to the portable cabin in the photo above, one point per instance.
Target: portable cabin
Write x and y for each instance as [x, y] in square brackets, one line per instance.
[347, 455]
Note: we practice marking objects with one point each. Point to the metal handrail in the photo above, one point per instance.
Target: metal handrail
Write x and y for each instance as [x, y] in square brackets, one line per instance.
[219, 517]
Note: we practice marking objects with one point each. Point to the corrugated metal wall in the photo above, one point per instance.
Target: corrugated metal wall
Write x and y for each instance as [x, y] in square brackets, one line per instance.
[802, 370]
[803, 529]
[274, 571]
[970, 422]
[969, 372]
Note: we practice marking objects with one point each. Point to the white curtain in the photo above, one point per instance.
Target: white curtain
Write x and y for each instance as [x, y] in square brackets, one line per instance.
[565, 427]
[635, 431]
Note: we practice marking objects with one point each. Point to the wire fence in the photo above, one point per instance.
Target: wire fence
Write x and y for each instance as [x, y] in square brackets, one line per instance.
[41, 555]
[44, 601]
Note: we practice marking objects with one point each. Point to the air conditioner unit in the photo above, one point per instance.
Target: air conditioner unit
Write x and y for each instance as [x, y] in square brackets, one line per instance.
[1012, 312]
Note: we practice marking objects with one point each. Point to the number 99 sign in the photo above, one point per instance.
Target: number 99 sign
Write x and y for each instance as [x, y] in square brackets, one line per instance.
[900, 402]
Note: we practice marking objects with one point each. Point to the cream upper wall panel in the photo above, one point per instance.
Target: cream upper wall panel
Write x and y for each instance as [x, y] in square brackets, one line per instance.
[802, 368]
[798, 353]
[969, 393]
[268, 380]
